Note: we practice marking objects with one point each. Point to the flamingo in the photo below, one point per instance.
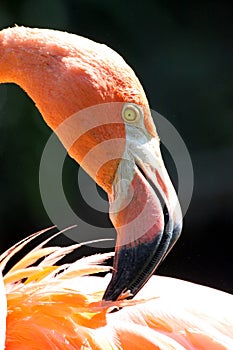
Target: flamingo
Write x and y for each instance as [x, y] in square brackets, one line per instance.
[89, 96]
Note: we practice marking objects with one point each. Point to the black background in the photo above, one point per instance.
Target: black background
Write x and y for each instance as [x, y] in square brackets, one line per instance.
[181, 52]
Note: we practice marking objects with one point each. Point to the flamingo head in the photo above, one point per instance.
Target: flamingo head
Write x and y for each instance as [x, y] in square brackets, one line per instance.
[94, 102]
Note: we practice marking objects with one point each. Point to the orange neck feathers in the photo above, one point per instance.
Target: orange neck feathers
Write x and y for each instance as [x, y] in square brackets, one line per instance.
[63, 74]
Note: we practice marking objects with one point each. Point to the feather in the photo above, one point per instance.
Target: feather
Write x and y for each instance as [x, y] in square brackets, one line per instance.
[61, 307]
[3, 313]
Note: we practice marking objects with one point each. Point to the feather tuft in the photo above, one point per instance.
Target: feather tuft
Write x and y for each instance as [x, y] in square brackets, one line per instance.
[60, 307]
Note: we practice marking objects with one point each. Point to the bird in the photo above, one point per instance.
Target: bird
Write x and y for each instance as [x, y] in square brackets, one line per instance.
[91, 98]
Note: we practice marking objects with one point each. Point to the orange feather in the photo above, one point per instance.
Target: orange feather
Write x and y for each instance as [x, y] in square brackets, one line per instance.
[60, 307]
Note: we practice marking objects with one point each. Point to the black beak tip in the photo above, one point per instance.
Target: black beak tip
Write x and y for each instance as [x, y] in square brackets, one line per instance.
[133, 265]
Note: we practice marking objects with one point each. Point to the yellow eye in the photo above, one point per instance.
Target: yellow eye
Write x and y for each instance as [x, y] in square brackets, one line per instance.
[131, 114]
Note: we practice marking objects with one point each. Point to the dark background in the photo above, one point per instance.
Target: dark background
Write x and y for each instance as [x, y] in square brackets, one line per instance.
[182, 54]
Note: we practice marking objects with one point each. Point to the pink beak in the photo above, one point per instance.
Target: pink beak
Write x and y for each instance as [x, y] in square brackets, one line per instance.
[145, 210]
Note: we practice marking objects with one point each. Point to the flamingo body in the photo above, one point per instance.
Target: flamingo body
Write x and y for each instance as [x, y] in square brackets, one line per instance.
[61, 308]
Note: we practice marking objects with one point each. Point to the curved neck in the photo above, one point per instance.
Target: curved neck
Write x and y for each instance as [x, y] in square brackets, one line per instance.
[56, 71]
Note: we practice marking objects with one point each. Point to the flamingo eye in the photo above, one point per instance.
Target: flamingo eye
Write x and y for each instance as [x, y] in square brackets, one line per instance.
[131, 114]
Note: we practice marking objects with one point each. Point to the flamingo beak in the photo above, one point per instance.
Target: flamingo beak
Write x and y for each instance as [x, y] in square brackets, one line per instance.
[146, 214]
